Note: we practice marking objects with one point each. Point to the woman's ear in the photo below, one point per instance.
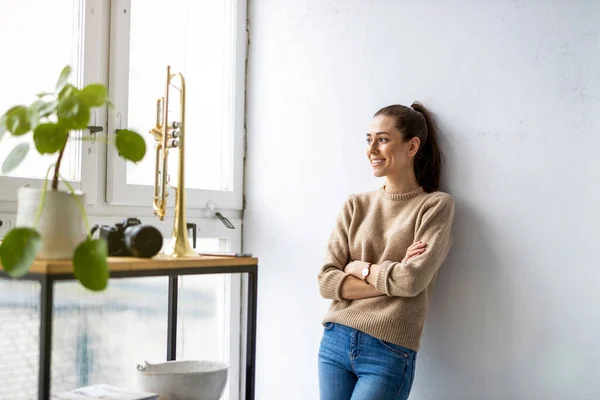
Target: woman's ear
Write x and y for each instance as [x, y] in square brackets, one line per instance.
[413, 146]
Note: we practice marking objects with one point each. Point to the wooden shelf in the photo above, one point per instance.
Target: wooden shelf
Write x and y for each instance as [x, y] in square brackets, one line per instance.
[145, 264]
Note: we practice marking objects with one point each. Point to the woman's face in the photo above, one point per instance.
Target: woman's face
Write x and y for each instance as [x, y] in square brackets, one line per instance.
[387, 151]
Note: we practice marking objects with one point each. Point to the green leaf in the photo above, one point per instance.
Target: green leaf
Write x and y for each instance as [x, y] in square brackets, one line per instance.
[131, 145]
[17, 120]
[89, 264]
[67, 91]
[3, 118]
[94, 95]
[43, 108]
[16, 156]
[50, 138]
[18, 250]
[64, 78]
[40, 109]
[9, 111]
[73, 113]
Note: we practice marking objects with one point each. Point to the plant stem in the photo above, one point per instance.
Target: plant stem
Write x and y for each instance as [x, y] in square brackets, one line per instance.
[80, 206]
[43, 197]
[57, 168]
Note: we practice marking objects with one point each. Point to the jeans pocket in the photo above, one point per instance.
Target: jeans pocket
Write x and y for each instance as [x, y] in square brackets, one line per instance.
[396, 349]
[328, 326]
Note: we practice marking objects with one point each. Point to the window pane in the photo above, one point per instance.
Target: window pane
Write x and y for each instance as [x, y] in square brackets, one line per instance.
[19, 339]
[41, 37]
[101, 337]
[203, 311]
[195, 38]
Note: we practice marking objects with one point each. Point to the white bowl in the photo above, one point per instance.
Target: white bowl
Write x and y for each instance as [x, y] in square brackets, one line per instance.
[183, 380]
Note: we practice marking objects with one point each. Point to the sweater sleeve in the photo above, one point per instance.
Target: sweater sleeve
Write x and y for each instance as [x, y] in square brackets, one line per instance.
[337, 256]
[408, 279]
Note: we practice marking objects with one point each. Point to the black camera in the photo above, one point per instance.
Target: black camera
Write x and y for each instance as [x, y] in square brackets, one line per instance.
[129, 238]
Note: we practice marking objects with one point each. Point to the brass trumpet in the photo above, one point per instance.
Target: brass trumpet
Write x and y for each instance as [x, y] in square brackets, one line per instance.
[171, 135]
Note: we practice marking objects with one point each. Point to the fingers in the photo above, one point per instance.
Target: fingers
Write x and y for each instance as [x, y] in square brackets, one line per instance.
[414, 253]
[414, 250]
[417, 245]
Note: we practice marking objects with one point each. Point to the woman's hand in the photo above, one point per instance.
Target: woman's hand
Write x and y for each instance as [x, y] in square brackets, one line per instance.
[414, 250]
[354, 287]
[355, 268]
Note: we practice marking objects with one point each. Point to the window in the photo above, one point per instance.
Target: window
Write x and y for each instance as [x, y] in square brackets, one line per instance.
[127, 45]
[205, 41]
[62, 41]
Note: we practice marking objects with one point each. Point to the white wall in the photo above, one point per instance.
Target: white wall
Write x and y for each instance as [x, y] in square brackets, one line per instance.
[516, 86]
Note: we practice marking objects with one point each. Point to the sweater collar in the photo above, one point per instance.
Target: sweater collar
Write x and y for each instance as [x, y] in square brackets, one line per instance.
[402, 196]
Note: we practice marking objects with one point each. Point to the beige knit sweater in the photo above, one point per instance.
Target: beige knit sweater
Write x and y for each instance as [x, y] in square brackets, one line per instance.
[378, 227]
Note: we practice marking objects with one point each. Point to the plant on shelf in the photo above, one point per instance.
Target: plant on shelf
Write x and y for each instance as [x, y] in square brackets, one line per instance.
[53, 223]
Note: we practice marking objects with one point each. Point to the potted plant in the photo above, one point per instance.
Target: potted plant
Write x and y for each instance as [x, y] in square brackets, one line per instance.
[52, 224]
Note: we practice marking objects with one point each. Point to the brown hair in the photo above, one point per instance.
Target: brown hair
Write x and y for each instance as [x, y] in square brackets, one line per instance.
[416, 121]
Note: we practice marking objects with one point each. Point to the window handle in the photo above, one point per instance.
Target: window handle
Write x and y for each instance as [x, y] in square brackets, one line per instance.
[93, 130]
[212, 207]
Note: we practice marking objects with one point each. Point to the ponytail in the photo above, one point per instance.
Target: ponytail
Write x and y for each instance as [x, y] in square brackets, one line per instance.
[417, 121]
[428, 161]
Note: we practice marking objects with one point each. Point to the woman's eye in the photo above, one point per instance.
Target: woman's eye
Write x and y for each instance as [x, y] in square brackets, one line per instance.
[383, 140]
[368, 141]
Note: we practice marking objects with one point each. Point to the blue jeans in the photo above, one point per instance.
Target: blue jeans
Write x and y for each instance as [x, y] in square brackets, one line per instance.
[357, 366]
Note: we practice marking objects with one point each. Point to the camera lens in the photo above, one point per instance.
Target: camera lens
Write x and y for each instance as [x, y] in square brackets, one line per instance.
[143, 240]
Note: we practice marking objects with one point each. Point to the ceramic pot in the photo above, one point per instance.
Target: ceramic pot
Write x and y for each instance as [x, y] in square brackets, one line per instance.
[61, 224]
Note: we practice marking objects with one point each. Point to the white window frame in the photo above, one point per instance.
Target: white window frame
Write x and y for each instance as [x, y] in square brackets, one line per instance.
[118, 192]
[90, 64]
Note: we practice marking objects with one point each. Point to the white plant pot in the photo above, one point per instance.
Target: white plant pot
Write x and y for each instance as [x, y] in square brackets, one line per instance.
[61, 224]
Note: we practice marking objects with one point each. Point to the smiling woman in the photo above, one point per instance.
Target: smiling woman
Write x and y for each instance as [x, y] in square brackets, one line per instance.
[382, 261]
[400, 137]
